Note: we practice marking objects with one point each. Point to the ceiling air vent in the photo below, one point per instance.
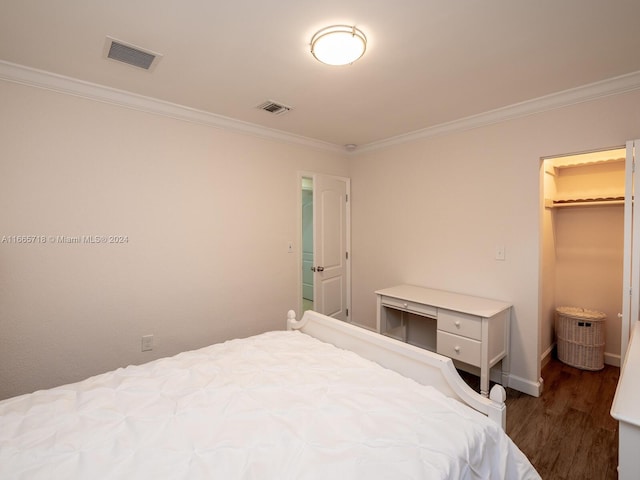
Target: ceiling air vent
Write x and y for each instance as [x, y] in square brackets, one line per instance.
[273, 107]
[130, 54]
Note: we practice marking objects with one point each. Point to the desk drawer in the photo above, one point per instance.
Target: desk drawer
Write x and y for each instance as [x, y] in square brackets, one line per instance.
[417, 308]
[459, 348]
[460, 324]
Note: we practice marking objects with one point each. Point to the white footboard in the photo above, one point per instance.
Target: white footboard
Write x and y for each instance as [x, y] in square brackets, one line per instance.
[425, 367]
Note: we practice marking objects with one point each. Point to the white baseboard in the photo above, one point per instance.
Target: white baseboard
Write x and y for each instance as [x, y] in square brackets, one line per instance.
[508, 380]
[546, 355]
[526, 386]
[612, 359]
[366, 327]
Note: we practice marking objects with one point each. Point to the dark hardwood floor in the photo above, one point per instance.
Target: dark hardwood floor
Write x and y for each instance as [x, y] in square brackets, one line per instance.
[567, 433]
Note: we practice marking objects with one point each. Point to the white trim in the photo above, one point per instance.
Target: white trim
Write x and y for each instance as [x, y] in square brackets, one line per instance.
[39, 78]
[585, 93]
[546, 355]
[32, 77]
[525, 386]
[612, 359]
[366, 327]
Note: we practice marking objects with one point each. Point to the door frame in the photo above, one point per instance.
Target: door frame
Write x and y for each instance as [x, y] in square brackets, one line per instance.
[313, 175]
[631, 285]
[546, 308]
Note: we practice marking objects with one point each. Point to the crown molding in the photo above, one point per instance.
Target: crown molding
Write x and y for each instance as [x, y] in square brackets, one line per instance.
[59, 83]
[593, 91]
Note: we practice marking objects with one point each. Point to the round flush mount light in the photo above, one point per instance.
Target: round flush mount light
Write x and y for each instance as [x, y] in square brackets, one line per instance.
[338, 45]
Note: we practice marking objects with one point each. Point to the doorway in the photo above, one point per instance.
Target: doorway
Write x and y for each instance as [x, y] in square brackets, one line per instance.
[307, 243]
[582, 252]
[325, 266]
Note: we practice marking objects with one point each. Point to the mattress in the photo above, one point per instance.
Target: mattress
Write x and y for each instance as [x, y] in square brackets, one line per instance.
[280, 405]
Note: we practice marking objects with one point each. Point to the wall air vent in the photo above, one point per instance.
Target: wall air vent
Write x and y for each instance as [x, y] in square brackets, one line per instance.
[130, 54]
[274, 107]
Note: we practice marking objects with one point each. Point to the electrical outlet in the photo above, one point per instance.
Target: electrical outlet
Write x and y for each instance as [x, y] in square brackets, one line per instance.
[147, 343]
[290, 247]
[500, 255]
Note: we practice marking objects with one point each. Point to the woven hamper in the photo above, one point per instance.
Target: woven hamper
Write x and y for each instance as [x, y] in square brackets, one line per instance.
[580, 334]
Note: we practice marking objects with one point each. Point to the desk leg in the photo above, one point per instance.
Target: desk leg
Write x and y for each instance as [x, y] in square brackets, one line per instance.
[484, 381]
[484, 359]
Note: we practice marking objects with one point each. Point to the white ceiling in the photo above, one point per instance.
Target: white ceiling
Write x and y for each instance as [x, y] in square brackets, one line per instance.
[428, 62]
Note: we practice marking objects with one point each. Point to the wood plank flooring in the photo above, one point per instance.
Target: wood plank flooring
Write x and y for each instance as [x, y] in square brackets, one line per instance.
[568, 432]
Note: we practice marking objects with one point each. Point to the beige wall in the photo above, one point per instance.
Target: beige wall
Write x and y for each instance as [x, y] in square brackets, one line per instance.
[208, 215]
[589, 251]
[433, 211]
[584, 245]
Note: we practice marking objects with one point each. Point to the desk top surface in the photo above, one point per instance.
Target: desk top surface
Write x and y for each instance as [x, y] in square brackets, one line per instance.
[482, 307]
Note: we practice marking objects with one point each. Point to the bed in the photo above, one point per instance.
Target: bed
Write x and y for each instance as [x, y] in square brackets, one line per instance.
[322, 399]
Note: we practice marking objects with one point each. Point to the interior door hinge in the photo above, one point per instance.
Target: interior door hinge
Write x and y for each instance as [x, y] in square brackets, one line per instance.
[347, 312]
[347, 198]
[346, 254]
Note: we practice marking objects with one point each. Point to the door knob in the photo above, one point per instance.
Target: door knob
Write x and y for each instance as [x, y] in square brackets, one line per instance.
[320, 269]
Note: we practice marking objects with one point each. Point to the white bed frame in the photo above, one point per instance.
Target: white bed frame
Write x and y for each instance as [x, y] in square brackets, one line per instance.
[425, 367]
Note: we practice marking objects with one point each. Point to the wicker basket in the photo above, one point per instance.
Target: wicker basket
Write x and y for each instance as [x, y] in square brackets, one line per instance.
[580, 335]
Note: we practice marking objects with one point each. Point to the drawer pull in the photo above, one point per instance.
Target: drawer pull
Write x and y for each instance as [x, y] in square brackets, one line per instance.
[457, 349]
[457, 323]
[405, 305]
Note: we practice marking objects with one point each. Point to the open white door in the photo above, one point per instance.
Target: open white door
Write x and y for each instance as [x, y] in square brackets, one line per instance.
[631, 271]
[331, 246]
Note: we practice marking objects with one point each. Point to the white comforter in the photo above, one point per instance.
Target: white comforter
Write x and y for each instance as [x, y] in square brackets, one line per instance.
[280, 405]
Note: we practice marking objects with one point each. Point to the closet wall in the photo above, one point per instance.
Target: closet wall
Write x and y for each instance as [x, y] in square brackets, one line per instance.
[584, 203]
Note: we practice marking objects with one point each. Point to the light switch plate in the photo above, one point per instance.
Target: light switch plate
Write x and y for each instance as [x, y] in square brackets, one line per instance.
[147, 343]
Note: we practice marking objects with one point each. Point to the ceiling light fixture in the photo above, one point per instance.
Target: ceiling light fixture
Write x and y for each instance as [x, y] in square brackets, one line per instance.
[338, 45]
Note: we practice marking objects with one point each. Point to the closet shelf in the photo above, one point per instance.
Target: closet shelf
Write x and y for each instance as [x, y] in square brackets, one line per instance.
[583, 202]
[572, 164]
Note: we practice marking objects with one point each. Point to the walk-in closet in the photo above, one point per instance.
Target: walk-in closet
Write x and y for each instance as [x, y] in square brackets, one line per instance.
[583, 241]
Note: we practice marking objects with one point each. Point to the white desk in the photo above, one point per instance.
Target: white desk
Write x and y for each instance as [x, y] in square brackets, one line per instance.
[468, 329]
